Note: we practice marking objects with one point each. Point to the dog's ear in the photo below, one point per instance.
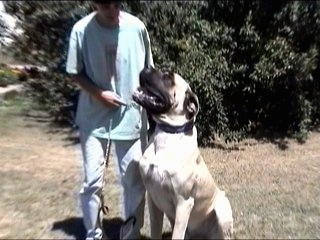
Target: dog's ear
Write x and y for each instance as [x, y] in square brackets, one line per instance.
[191, 104]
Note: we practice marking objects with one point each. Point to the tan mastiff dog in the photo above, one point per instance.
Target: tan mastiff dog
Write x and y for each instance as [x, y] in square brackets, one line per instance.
[176, 177]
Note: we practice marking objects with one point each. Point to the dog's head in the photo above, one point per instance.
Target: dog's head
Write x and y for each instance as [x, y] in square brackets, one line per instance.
[167, 97]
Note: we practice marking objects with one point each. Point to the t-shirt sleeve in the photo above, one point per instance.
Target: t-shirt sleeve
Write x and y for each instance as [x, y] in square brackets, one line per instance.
[74, 64]
[149, 58]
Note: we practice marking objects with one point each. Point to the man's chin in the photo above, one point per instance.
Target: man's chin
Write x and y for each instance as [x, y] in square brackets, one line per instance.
[113, 19]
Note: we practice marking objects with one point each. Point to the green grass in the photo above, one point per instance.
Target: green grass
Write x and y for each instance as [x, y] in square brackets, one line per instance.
[274, 193]
[12, 113]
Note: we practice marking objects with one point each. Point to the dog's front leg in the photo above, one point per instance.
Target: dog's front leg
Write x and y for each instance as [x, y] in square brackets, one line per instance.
[156, 219]
[183, 211]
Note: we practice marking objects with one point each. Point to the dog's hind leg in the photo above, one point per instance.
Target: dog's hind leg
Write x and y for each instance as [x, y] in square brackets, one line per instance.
[156, 219]
[183, 211]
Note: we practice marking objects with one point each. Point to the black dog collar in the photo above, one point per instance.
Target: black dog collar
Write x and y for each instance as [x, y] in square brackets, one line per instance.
[176, 129]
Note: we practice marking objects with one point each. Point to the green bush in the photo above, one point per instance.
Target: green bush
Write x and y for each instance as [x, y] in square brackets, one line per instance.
[253, 64]
[270, 65]
[47, 27]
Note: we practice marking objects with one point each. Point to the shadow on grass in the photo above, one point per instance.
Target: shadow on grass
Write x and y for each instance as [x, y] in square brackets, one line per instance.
[74, 227]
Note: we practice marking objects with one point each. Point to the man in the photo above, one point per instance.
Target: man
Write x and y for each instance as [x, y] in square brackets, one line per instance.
[107, 50]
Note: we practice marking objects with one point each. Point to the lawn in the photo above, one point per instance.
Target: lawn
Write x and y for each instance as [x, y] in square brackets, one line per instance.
[273, 185]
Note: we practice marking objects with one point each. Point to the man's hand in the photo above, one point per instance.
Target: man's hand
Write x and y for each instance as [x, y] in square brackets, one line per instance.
[110, 99]
[107, 98]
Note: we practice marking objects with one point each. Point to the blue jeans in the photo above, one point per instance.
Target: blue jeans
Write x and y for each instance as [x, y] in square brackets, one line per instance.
[127, 153]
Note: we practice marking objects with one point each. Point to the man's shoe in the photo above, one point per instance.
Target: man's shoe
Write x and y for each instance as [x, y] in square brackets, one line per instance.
[127, 230]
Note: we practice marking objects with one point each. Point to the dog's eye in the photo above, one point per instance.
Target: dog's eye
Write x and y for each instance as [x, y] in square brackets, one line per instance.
[174, 95]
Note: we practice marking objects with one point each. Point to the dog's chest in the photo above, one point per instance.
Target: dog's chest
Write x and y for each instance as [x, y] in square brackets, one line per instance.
[164, 179]
[159, 185]
[157, 177]
[157, 172]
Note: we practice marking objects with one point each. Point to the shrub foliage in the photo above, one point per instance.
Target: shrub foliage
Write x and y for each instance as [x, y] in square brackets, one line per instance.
[253, 64]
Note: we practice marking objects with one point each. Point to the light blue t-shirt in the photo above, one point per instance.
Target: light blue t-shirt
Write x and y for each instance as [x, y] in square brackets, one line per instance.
[112, 59]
